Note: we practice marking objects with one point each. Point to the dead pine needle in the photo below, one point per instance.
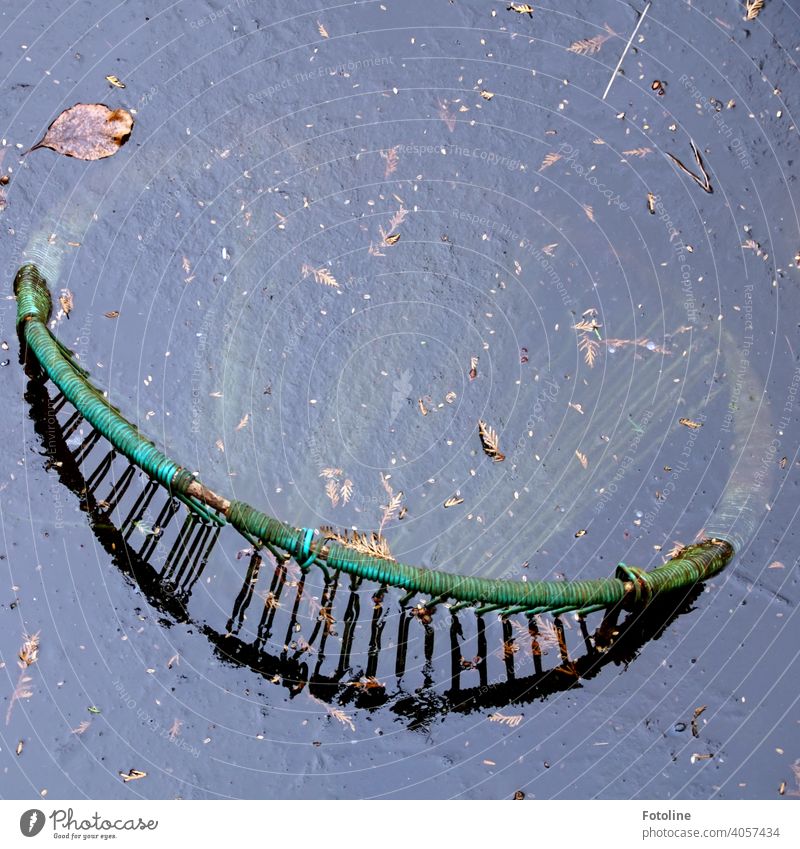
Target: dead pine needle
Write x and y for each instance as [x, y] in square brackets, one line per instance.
[705, 181]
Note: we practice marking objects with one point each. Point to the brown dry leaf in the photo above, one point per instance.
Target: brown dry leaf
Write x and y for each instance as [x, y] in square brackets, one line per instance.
[29, 653]
[588, 46]
[641, 152]
[453, 501]
[389, 510]
[340, 715]
[651, 203]
[392, 159]
[584, 460]
[589, 348]
[676, 550]
[589, 211]
[88, 131]
[503, 719]
[330, 472]
[473, 368]
[132, 775]
[521, 9]
[112, 314]
[392, 239]
[65, 299]
[322, 31]
[690, 423]
[332, 491]
[82, 726]
[549, 160]
[487, 95]
[346, 490]
[753, 7]
[321, 275]
[115, 81]
[490, 442]
[373, 544]
[175, 729]
[243, 421]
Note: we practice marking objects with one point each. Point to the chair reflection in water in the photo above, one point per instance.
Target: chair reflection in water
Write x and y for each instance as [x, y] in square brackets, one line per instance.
[433, 665]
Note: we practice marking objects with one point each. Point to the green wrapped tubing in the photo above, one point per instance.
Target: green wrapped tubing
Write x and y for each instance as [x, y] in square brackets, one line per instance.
[630, 586]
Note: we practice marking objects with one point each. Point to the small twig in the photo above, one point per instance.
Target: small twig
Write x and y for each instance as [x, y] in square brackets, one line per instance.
[625, 51]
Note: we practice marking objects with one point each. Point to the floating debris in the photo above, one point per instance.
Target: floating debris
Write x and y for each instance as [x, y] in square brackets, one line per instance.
[521, 9]
[490, 442]
[589, 46]
[752, 9]
[705, 181]
[88, 131]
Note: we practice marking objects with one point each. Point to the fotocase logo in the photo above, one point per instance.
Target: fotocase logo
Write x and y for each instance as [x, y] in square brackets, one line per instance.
[31, 822]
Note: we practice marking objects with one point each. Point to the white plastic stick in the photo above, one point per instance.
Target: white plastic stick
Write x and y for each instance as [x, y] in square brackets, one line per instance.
[625, 51]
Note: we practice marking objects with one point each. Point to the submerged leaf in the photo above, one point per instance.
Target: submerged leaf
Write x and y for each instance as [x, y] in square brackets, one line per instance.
[88, 131]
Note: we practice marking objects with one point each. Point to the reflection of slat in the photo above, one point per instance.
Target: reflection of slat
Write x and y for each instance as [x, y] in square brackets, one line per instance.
[71, 425]
[349, 621]
[507, 649]
[95, 478]
[138, 509]
[326, 602]
[58, 402]
[192, 547]
[120, 487]
[85, 448]
[245, 595]
[379, 616]
[201, 561]
[183, 547]
[264, 630]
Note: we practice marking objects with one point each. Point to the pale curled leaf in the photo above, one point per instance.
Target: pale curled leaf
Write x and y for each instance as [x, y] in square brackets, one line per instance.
[88, 131]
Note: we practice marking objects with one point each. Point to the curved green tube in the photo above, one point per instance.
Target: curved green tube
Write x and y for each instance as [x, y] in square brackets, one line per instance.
[630, 586]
